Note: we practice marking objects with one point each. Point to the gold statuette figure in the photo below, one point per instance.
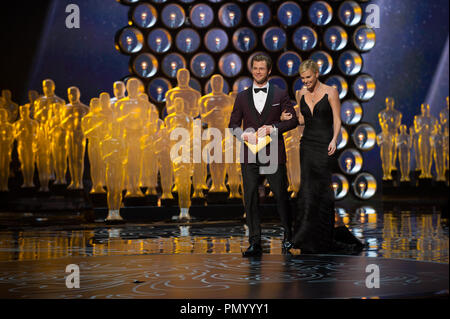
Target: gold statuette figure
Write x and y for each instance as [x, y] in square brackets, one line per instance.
[6, 143]
[132, 117]
[58, 144]
[404, 143]
[95, 129]
[119, 94]
[443, 117]
[25, 132]
[114, 154]
[233, 169]
[10, 106]
[390, 119]
[188, 94]
[437, 141]
[424, 126]
[162, 150]
[213, 108]
[75, 139]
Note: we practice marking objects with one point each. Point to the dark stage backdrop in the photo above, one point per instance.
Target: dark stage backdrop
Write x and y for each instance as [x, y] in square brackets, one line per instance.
[409, 61]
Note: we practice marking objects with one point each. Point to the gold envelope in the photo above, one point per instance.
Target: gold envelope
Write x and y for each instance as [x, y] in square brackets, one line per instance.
[262, 142]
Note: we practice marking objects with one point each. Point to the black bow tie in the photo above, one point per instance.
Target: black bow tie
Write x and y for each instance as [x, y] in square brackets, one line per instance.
[261, 90]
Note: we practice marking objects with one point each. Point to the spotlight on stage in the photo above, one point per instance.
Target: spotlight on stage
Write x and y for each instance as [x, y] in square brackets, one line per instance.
[340, 186]
[364, 186]
[350, 161]
[351, 112]
[364, 137]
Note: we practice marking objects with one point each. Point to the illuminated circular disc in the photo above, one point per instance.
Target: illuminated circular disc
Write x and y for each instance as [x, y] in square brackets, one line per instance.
[249, 61]
[172, 63]
[244, 39]
[278, 81]
[242, 83]
[305, 38]
[230, 15]
[340, 186]
[289, 13]
[187, 40]
[289, 63]
[364, 38]
[129, 2]
[364, 87]
[187, 1]
[225, 89]
[216, 40]
[145, 15]
[202, 65]
[259, 14]
[350, 13]
[342, 139]
[159, 40]
[298, 85]
[145, 65]
[364, 186]
[339, 83]
[131, 40]
[324, 61]
[320, 13]
[274, 39]
[350, 63]
[351, 112]
[157, 89]
[350, 161]
[230, 64]
[364, 137]
[202, 15]
[173, 16]
[158, 1]
[335, 38]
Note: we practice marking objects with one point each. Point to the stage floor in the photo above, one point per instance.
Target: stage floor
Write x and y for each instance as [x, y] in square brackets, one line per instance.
[203, 260]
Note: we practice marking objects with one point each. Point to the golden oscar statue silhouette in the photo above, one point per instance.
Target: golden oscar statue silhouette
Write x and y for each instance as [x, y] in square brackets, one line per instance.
[191, 106]
[403, 143]
[443, 118]
[10, 106]
[292, 140]
[149, 163]
[386, 142]
[44, 103]
[105, 107]
[95, 129]
[33, 96]
[58, 144]
[25, 132]
[75, 139]
[188, 94]
[43, 152]
[119, 94]
[114, 154]
[179, 120]
[424, 126]
[437, 141]
[391, 119]
[162, 151]
[415, 144]
[213, 106]
[6, 144]
[183, 172]
[132, 117]
[233, 146]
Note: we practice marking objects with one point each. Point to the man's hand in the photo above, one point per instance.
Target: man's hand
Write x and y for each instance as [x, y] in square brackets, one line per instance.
[285, 116]
[265, 130]
[249, 137]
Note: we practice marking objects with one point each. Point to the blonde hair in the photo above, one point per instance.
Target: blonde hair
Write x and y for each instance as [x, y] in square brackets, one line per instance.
[308, 65]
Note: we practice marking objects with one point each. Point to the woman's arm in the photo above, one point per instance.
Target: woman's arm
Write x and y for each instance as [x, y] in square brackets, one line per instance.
[336, 107]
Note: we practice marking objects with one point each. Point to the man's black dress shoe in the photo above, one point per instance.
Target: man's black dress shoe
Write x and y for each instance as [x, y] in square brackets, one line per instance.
[253, 251]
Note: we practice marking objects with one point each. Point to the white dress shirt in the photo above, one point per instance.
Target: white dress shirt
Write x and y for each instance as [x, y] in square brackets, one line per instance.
[260, 98]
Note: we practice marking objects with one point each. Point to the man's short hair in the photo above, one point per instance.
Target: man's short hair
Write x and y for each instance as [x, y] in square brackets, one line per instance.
[262, 57]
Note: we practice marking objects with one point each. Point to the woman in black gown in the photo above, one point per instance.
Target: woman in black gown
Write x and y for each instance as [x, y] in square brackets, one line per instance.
[319, 108]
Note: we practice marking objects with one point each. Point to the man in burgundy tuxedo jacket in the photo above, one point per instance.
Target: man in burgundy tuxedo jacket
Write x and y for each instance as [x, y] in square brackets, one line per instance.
[259, 109]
